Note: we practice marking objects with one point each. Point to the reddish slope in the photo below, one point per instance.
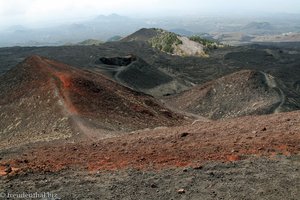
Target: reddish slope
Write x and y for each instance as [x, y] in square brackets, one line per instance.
[39, 93]
[190, 145]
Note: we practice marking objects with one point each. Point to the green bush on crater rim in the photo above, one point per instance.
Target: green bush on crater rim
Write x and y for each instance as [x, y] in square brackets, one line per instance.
[165, 42]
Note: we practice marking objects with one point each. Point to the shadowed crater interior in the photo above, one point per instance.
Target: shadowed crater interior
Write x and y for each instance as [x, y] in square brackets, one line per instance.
[118, 61]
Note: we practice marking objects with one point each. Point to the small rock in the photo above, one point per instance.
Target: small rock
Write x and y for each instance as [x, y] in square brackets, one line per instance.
[94, 145]
[181, 191]
[153, 185]
[254, 132]
[233, 158]
[264, 129]
[198, 167]
[233, 151]
[141, 159]
[184, 134]
[8, 170]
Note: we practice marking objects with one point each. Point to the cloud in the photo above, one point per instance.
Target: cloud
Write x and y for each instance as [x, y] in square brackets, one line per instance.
[14, 7]
[33, 11]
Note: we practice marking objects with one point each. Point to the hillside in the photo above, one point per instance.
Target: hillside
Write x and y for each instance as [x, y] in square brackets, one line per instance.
[143, 34]
[168, 42]
[259, 27]
[90, 42]
[57, 101]
[132, 71]
[79, 125]
[242, 93]
[225, 158]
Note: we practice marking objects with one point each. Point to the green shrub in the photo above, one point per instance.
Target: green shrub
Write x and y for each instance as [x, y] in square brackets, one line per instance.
[208, 44]
[165, 41]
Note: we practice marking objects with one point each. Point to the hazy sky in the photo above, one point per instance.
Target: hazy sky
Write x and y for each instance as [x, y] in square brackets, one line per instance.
[28, 12]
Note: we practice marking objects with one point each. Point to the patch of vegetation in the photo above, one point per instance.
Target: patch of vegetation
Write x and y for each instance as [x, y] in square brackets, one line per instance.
[208, 44]
[114, 38]
[90, 42]
[165, 41]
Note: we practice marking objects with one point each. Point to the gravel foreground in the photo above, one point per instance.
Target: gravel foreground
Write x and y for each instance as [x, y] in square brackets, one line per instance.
[253, 178]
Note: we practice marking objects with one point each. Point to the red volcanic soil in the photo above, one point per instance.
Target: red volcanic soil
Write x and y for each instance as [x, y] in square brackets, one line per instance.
[94, 102]
[57, 101]
[190, 145]
[94, 95]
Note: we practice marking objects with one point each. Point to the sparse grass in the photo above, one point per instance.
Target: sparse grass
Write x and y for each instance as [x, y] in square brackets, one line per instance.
[90, 42]
[165, 41]
[208, 44]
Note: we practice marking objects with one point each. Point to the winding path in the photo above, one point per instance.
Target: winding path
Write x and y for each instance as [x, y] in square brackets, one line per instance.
[271, 82]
